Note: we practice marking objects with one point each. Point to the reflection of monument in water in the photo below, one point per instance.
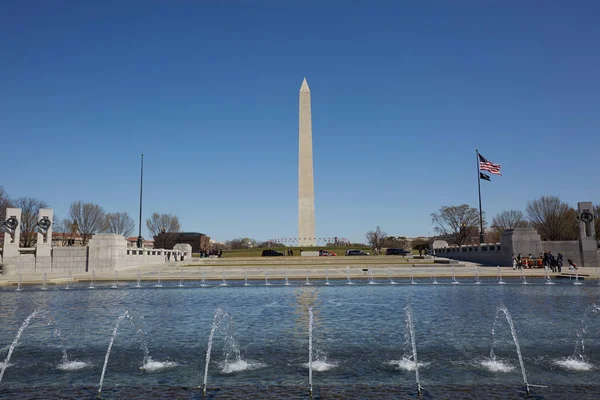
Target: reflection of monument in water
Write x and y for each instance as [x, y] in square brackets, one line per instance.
[304, 297]
[306, 183]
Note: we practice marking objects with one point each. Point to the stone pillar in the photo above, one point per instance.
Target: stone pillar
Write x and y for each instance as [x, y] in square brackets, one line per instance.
[185, 248]
[107, 252]
[12, 238]
[587, 235]
[519, 240]
[43, 248]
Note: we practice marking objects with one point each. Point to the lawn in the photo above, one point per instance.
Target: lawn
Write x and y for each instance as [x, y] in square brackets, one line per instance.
[257, 252]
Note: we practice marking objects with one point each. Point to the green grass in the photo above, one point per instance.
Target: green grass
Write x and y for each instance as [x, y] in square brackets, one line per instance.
[257, 252]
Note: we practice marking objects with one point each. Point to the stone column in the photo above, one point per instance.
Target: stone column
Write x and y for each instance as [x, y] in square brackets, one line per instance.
[587, 235]
[519, 240]
[306, 184]
[43, 248]
[10, 251]
[107, 252]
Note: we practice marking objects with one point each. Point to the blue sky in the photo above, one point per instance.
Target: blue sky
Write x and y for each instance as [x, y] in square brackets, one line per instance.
[402, 94]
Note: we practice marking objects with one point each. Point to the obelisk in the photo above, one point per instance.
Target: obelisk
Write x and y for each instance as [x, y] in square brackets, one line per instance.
[306, 182]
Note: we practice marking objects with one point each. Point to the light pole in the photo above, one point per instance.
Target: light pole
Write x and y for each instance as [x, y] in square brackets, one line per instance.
[139, 239]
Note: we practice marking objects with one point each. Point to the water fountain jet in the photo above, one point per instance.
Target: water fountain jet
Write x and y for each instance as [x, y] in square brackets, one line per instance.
[24, 325]
[578, 361]
[19, 284]
[548, 280]
[69, 280]
[577, 282]
[502, 308]
[159, 279]
[230, 344]
[203, 284]
[180, 278]
[390, 276]
[224, 282]
[139, 279]
[523, 280]
[93, 279]
[116, 281]
[454, 281]
[410, 330]
[110, 344]
[499, 276]
[45, 283]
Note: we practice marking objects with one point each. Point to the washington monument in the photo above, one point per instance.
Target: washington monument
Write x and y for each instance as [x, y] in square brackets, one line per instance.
[306, 182]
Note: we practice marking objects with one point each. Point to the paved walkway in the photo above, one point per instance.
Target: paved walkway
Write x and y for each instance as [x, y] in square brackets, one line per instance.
[381, 270]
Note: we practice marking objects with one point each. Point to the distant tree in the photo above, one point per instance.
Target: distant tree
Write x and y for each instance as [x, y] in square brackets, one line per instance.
[88, 219]
[4, 204]
[510, 219]
[553, 219]
[507, 219]
[30, 209]
[269, 244]
[457, 224]
[165, 229]
[244, 243]
[119, 222]
[218, 246]
[375, 239]
[400, 242]
[66, 228]
[420, 244]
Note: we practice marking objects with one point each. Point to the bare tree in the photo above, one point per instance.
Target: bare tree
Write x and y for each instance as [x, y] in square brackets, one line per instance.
[164, 228]
[375, 239]
[66, 229]
[88, 219]
[457, 224]
[553, 219]
[119, 222]
[30, 209]
[4, 204]
[507, 219]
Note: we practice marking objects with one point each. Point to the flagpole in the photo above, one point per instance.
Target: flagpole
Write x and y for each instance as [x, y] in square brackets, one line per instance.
[479, 190]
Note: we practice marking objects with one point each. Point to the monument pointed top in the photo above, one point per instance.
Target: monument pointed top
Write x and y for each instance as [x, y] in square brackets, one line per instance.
[304, 87]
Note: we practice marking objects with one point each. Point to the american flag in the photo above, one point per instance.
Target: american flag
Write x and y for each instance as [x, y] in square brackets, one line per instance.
[485, 165]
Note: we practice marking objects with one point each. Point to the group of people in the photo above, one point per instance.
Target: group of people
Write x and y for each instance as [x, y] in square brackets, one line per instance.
[546, 260]
[177, 256]
[212, 252]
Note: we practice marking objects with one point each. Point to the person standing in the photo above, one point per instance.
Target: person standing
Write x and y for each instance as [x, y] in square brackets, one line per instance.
[559, 262]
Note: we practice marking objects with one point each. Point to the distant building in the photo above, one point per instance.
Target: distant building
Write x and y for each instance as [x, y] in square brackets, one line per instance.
[146, 244]
[62, 239]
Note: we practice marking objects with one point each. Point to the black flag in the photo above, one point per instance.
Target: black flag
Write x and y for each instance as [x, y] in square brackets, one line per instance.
[484, 176]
